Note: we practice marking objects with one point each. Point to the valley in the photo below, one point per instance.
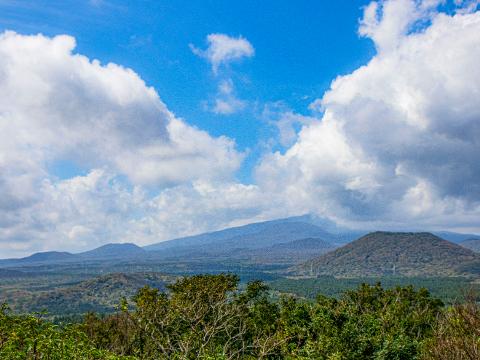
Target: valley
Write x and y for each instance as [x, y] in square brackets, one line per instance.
[293, 256]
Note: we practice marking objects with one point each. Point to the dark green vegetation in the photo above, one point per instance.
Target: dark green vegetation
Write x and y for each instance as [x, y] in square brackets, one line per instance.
[72, 295]
[75, 287]
[30, 337]
[449, 289]
[62, 296]
[397, 254]
[208, 317]
[218, 317]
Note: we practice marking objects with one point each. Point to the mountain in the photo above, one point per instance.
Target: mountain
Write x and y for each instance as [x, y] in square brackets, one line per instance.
[251, 236]
[49, 256]
[388, 253]
[455, 237]
[109, 251]
[100, 294]
[295, 251]
[41, 257]
[472, 244]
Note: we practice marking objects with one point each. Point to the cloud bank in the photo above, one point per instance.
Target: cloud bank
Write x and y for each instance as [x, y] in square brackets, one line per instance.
[57, 106]
[397, 140]
[394, 144]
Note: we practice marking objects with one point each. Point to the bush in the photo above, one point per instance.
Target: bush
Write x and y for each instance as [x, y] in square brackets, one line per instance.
[209, 317]
[457, 335]
[29, 337]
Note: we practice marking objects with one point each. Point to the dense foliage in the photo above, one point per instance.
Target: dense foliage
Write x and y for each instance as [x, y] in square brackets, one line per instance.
[447, 289]
[29, 337]
[209, 317]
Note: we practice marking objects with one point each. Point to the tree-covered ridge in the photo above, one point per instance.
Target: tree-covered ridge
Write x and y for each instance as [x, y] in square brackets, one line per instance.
[209, 317]
[398, 254]
[97, 294]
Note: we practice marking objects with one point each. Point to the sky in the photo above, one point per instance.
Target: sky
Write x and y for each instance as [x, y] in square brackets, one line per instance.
[145, 121]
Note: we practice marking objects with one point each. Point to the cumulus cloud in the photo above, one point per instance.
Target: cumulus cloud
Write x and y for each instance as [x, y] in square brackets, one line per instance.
[394, 144]
[223, 49]
[56, 105]
[398, 139]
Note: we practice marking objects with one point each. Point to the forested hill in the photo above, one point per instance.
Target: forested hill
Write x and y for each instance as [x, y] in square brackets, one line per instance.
[388, 253]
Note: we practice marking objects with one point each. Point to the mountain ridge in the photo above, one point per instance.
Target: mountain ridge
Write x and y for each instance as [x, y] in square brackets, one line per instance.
[392, 253]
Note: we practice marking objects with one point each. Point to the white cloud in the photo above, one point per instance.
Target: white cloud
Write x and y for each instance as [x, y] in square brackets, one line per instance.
[226, 102]
[223, 49]
[56, 105]
[227, 106]
[398, 140]
[393, 144]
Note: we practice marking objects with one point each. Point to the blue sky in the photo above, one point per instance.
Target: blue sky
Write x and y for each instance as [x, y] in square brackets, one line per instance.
[299, 49]
[144, 121]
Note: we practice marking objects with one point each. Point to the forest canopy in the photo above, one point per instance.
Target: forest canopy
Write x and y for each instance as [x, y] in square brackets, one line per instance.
[210, 317]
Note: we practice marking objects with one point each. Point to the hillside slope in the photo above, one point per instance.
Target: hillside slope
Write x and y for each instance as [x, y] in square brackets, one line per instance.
[251, 236]
[109, 251]
[101, 293]
[290, 252]
[386, 253]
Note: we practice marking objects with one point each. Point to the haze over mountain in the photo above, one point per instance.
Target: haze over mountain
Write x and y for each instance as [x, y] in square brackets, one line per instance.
[110, 251]
[388, 253]
[282, 241]
[292, 239]
[472, 244]
[255, 241]
[258, 235]
[455, 237]
[295, 251]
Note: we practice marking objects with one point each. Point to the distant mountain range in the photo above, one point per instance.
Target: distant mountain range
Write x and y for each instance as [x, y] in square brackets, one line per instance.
[256, 235]
[294, 251]
[108, 252]
[270, 241]
[388, 253]
[472, 244]
[284, 242]
[455, 237]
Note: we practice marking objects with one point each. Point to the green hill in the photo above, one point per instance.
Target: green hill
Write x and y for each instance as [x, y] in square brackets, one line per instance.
[400, 254]
[99, 294]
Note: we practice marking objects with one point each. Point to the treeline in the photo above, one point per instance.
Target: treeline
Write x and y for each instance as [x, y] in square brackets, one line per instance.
[209, 317]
